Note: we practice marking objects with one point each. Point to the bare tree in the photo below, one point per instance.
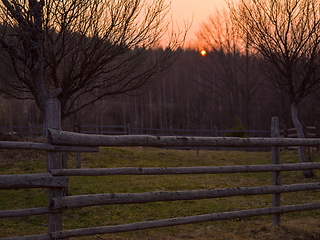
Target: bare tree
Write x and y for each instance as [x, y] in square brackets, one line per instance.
[287, 34]
[81, 51]
[231, 65]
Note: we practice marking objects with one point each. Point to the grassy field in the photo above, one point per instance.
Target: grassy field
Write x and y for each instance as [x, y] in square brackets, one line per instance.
[295, 226]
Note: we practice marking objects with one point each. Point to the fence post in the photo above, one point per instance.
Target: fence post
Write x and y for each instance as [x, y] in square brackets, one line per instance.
[317, 132]
[55, 160]
[276, 175]
[285, 134]
[317, 129]
[128, 129]
[78, 160]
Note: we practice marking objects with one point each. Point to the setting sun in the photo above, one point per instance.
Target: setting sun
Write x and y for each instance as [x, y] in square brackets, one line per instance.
[203, 52]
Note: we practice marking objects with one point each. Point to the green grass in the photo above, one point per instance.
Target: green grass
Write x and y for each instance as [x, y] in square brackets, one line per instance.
[295, 226]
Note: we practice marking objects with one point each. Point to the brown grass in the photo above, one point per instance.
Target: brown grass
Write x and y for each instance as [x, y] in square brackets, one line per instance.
[295, 226]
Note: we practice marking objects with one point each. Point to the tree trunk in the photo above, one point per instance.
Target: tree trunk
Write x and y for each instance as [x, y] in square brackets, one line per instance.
[302, 151]
[35, 61]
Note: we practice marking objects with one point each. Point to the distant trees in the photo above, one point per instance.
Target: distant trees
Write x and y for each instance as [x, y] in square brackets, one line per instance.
[80, 51]
[93, 58]
[183, 98]
[176, 100]
[229, 71]
[286, 33]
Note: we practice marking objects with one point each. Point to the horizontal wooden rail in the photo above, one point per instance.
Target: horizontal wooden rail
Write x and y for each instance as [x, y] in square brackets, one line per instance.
[185, 220]
[37, 180]
[45, 147]
[78, 201]
[75, 142]
[184, 170]
[31, 237]
[171, 222]
[69, 138]
[26, 212]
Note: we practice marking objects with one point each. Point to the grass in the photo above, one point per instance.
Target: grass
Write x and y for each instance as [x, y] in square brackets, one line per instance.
[295, 226]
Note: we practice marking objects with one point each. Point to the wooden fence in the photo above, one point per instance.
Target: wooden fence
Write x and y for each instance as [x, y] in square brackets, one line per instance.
[56, 179]
[309, 131]
[36, 131]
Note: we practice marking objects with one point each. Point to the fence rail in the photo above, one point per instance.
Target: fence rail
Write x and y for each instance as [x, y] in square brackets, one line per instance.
[184, 170]
[80, 201]
[171, 222]
[56, 181]
[26, 212]
[309, 131]
[70, 138]
[34, 131]
[37, 180]
[45, 147]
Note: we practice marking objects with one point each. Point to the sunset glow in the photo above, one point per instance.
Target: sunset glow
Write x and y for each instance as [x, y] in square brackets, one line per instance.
[203, 52]
[186, 12]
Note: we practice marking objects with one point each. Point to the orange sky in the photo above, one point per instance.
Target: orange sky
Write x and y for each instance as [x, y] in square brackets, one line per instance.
[185, 10]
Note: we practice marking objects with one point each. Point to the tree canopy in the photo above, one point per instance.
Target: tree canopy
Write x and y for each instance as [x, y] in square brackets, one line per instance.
[286, 33]
[81, 51]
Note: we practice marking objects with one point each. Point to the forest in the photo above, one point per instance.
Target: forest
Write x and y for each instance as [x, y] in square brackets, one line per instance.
[261, 61]
[218, 90]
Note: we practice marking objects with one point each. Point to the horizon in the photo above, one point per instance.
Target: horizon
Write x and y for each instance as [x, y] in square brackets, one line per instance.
[186, 12]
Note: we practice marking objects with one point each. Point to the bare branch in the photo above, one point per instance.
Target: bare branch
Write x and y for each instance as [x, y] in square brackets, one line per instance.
[93, 47]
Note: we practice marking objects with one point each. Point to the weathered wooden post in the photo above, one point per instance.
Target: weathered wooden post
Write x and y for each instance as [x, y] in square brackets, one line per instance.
[285, 134]
[215, 131]
[317, 132]
[317, 129]
[276, 175]
[128, 129]
[78, 160]
[55, 160]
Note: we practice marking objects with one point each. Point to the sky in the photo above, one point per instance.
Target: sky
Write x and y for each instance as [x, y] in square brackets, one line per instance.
[193, 11]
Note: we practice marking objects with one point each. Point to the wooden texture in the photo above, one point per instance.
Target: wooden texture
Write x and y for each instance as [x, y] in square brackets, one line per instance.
[39, 180]
[78, 160]
[45, 147]
[129, 198]
[170, 222]
[185, 220]
[56, 181]
[183, 170]
[25, 212]
[69, 138]
[54, 161]
[275, 152]
[31, 237]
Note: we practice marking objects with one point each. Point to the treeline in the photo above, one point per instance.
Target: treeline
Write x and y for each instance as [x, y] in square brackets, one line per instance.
[216, 91]
[118, 76]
